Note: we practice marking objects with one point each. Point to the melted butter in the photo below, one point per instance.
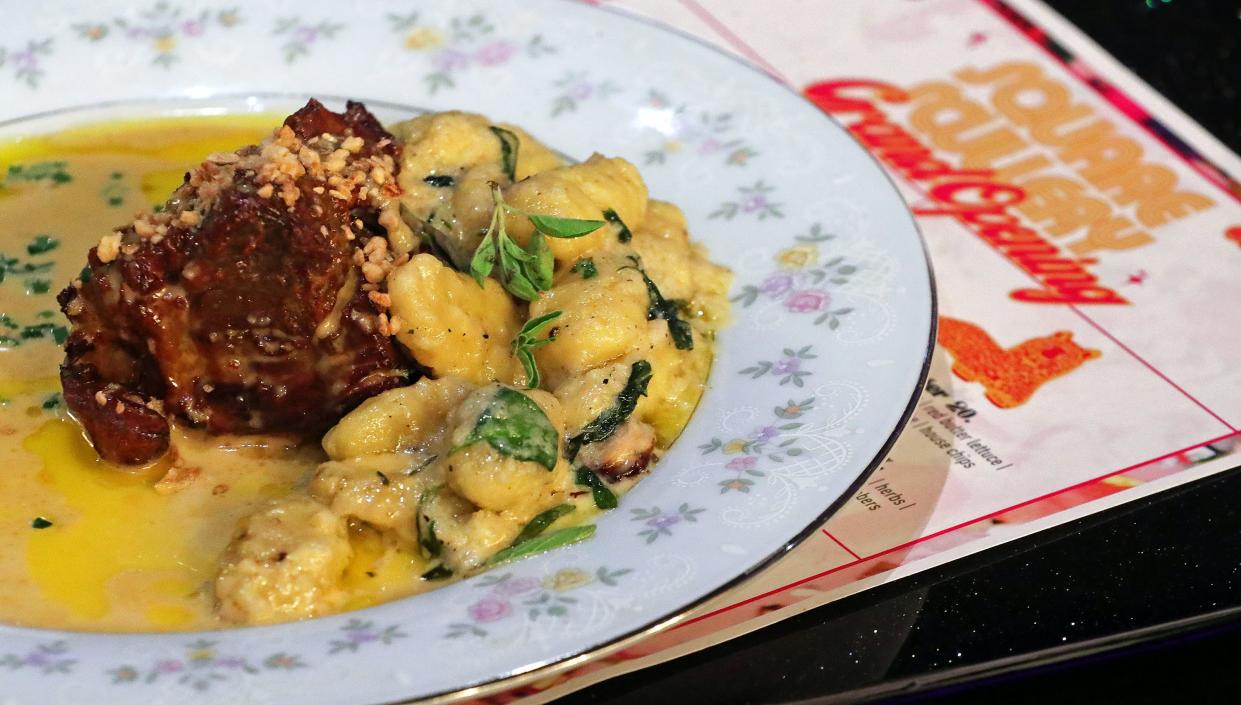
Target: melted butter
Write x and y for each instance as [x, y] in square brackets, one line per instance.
[185, 140]
[10, 388]
[114, 523]
[119, 555]
[378, 571]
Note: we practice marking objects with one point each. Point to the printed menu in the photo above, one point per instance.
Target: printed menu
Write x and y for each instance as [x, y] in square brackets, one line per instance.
[1085, 236]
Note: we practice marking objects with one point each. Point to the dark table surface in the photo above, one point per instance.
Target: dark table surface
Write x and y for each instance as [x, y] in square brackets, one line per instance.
[1140, 603]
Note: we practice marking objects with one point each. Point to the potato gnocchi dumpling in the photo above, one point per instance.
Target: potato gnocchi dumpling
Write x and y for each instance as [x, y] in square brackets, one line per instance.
[584, 191]
[285, 562]
[602, 319]
[380, 490]
[447, 163]
[562, 324]
[450, 324]
[401, 419]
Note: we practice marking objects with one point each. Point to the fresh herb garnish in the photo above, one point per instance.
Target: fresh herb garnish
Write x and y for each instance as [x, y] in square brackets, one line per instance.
[532, 532]
[586, 268]
[383, 479]
[540, 522]
[509, 144]
[41, 244]
[517, 427]
[659, 307]
[40, 523]
[556, 226]
[622, 231]
[438, 180]
[524, 272]
[546, 542]
[527, 340]
[604, 497]
[606, 423]
[439, 572]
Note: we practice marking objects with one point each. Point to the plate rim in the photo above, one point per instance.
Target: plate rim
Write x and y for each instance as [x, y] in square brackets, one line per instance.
[670, 619]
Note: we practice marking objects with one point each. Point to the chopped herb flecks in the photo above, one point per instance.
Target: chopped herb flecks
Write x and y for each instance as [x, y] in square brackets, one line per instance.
[40, 523]
[41, 244]
[53, 402]
[12, 265]
[622, 231]
[439, 572]
[439, 180]
[54, 172]
[586, 268]
[426, 463]
[113, 191]
[13, 334]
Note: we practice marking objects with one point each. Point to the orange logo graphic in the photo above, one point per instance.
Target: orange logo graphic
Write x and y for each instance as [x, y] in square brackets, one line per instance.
[1009, 376]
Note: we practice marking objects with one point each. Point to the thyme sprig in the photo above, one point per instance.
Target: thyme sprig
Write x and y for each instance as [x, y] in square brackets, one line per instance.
[523, 271]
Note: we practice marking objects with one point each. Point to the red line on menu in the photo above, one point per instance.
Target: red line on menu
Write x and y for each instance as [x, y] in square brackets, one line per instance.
[731, 37]
[1094, 324]
[941, 532]
[841, 544]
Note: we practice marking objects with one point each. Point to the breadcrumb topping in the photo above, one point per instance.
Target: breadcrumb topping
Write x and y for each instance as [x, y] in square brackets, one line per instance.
[280, 168]
[275, 166]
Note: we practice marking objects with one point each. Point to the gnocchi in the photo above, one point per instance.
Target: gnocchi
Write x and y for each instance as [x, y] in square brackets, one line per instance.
[564, 324]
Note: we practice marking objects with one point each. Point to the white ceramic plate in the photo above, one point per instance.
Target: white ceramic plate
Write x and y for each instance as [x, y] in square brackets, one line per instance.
[834, 317]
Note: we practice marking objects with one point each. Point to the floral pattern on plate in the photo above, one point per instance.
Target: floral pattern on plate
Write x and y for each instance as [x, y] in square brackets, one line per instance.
[52, 657]
[202, 666]
[299, 35]
[528, 597]
[26, 62]
[162, 28]
[802, 282]
[706, 134]
[468, 41]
